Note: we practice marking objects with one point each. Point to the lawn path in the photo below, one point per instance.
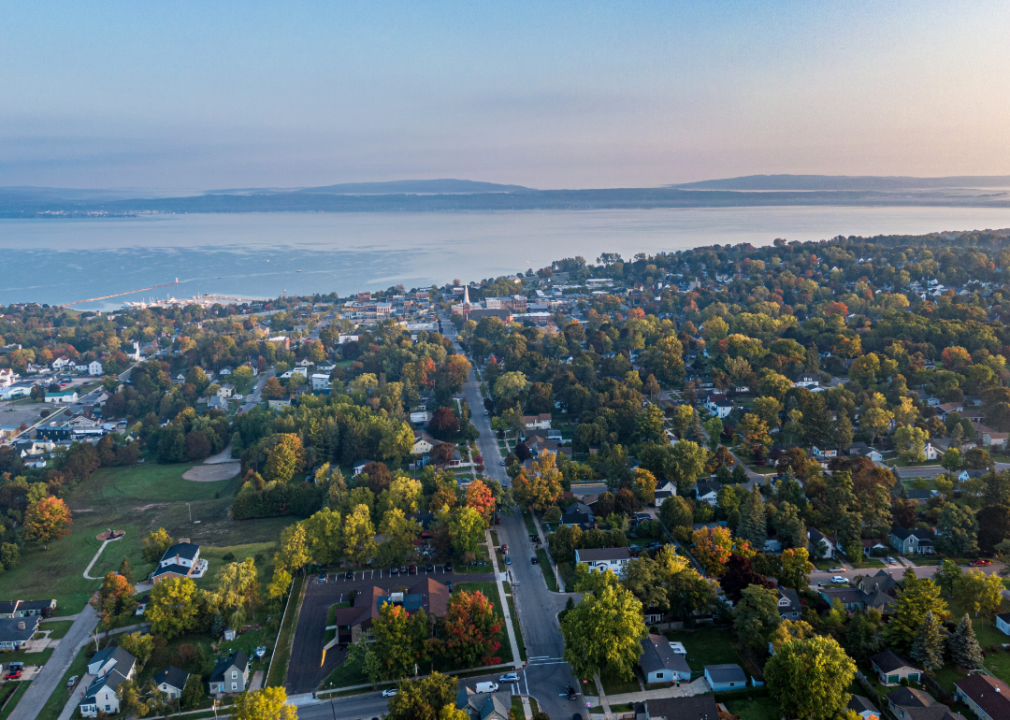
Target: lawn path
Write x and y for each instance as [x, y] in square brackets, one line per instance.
[95, 559]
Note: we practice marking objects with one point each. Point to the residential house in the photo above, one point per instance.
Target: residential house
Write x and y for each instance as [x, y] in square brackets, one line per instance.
[603, 559]
[970, 474]
[919, 496]
[660, 663]
[180, 560]
[7, 377]
[789, 604]
[987, 696]
[360, 466]
[26, 608]
[579, 514]
[320, 381]
[230, 674]
[990, 437]
[419, 417]
[864, 450]
[932, 453]
[892, 668]
[695, 707]
[15, 632]
[171, 681]
[94, 368]
[428, 594]
[218, 403]
[484, 706]
[819, 545]
[537, 422]
[111, 667]
[912, 542]
[863, 708]
[226, 391]
[1003, 623]
[725, 677]
[667, 489]
[719, 405]
[707, 491]
[278, 403]
[945, 409]
[423, 443]
[911, 704]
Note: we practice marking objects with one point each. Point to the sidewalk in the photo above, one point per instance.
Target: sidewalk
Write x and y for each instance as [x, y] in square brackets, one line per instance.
[516, 660]
[695, 687]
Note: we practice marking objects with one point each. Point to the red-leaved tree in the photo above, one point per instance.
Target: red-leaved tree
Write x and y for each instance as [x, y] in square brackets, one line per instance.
[472, 629]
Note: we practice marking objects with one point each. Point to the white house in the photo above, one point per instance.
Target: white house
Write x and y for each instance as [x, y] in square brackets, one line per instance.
[171, 681]
[537, 422]
[180, 560]
[7, 377]
[661, 662]
[1003, 623]
[707, 492]
[111, 668]
[60, 362]
[820, 547]
[226, 391]
[94, 368]
[931, 452]
[719, 405]
[299, 370]
[420, 417]
[64, 398]
[603, 559]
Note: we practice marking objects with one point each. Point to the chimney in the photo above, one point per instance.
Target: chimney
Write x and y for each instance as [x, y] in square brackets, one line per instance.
[21, 625]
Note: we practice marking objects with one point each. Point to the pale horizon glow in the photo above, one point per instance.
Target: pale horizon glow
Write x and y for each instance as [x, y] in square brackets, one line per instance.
[550, 95]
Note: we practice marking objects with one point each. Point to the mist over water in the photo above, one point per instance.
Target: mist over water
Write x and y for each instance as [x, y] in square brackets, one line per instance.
[262, 255]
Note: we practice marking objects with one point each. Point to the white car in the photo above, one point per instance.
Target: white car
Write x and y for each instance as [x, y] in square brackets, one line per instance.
[509, 677]
[838, 579]
[389, 693]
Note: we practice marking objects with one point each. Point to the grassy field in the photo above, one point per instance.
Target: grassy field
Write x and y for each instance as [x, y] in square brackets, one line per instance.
[35, 658]
[15, 698]
[759, 708]
[137, 499]
[279, 666]
[57, 629]
[613, 685]
[707, 646]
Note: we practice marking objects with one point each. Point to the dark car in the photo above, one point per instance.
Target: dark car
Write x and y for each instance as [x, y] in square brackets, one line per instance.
[429, 568]
[577, 716]
[413, 570]
[394, 571]
[447, 568]
[349, 575]
[322, 577]
[505, 548]
[571, 692]
[403, 569]
[534, 560]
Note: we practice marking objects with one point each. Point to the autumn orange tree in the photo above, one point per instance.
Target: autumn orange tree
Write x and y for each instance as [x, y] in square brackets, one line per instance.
[47, 519]
[540, 486]
[472, 629]
[479, 497]
[712, 548]
[114, 598]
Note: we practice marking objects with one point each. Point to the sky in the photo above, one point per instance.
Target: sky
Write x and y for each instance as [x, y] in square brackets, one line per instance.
[193, 95]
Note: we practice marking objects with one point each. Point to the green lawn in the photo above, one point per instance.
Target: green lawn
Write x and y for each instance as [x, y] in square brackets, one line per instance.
[545, 568]
[467, 568]
[57, 629]
[759, 708]
[530, 527]
[279, 665]
[20, 688]
[51, 710]
[613, 685]
[35, 658]
[344, 675]
[707, 646]
[137, 499]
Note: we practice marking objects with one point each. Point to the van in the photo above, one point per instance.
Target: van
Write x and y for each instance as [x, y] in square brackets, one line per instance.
[486, 687]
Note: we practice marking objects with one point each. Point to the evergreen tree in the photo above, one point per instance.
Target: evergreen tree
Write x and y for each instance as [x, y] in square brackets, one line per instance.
[927, 647]
[753, 523]
[843, 431]
[964, 649]
[723, 475]
[697, 431]
[813, 359]
[126, 570]
[739, 474]
[217, 626]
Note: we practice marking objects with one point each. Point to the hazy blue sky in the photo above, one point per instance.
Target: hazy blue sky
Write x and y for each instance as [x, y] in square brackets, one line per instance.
[546, 94]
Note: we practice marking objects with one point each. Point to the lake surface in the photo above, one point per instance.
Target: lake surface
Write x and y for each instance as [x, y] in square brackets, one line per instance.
[263, 255]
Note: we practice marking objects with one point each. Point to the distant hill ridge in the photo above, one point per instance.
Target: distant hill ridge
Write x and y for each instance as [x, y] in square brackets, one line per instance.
[828, 183]
[446, 186]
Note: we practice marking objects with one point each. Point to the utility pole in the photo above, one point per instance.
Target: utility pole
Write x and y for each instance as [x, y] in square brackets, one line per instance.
[190, 513]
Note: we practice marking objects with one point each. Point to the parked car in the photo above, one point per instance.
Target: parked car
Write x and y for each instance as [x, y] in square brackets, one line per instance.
[505, 548]
[486, 687]
[429, 568]
[571, 692]
[403, 569]
[838, 579]
[508, 559]
[534, 560]
[394, 571]
[509, 677]
[322, 577]
[72, 681]
[413, 570]
[14, 671]
[348, 575]
[447, 568]
[981, 563]
[502, 463]
[836, 569]
[389, 692]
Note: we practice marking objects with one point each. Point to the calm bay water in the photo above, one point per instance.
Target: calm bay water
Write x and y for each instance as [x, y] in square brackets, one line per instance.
[262, 255]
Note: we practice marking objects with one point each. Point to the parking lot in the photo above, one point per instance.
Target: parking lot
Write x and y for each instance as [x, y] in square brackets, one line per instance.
[306, 669]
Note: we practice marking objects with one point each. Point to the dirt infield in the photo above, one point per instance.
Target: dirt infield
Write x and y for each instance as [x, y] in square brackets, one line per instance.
[212, 473]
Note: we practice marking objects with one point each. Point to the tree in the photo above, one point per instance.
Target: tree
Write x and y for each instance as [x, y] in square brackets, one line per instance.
[753, 432]
[284, 459]
[236, 590]
[980, 591]
[138, 644]
[927, 647]
[399, 640]
[753, 524]
[272, 389]
[153, 547]
[810, 678]
[267, 704]
[466, 528]
[790, 527]
[644, 486]
[430, 698]
[957, 531]
[756, 615]
[948, 577]
[509, 388]
[540, 486]
[173, 608]
[768, 409]
[796, 567]
[993, 526]
[712, 547]
[918, 597]
[951, 460]
[911, 443]
[964, 649]
[324, 536]
[687, 463]
[978, 459]
[192, 694]
[739, 575]
[676, 512]
[359, 535]
[472, 629]
[713, 428]
[114, 598]
[604, 632]
[790, 630]
[294, 550]
[480, 498]
[863, 638]
[46, 520]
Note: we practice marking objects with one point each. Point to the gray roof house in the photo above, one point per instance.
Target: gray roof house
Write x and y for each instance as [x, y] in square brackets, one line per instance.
[912, 542]
[660, 663]
[789, 603]
[603, 559]
[17, 631]
[484, 706]
[892, 668]
[910, 704]
[696, 707]
[230, 674]
[113, 667]
[578, 514]
[725, 677]
[171, 681]
[864, 708]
